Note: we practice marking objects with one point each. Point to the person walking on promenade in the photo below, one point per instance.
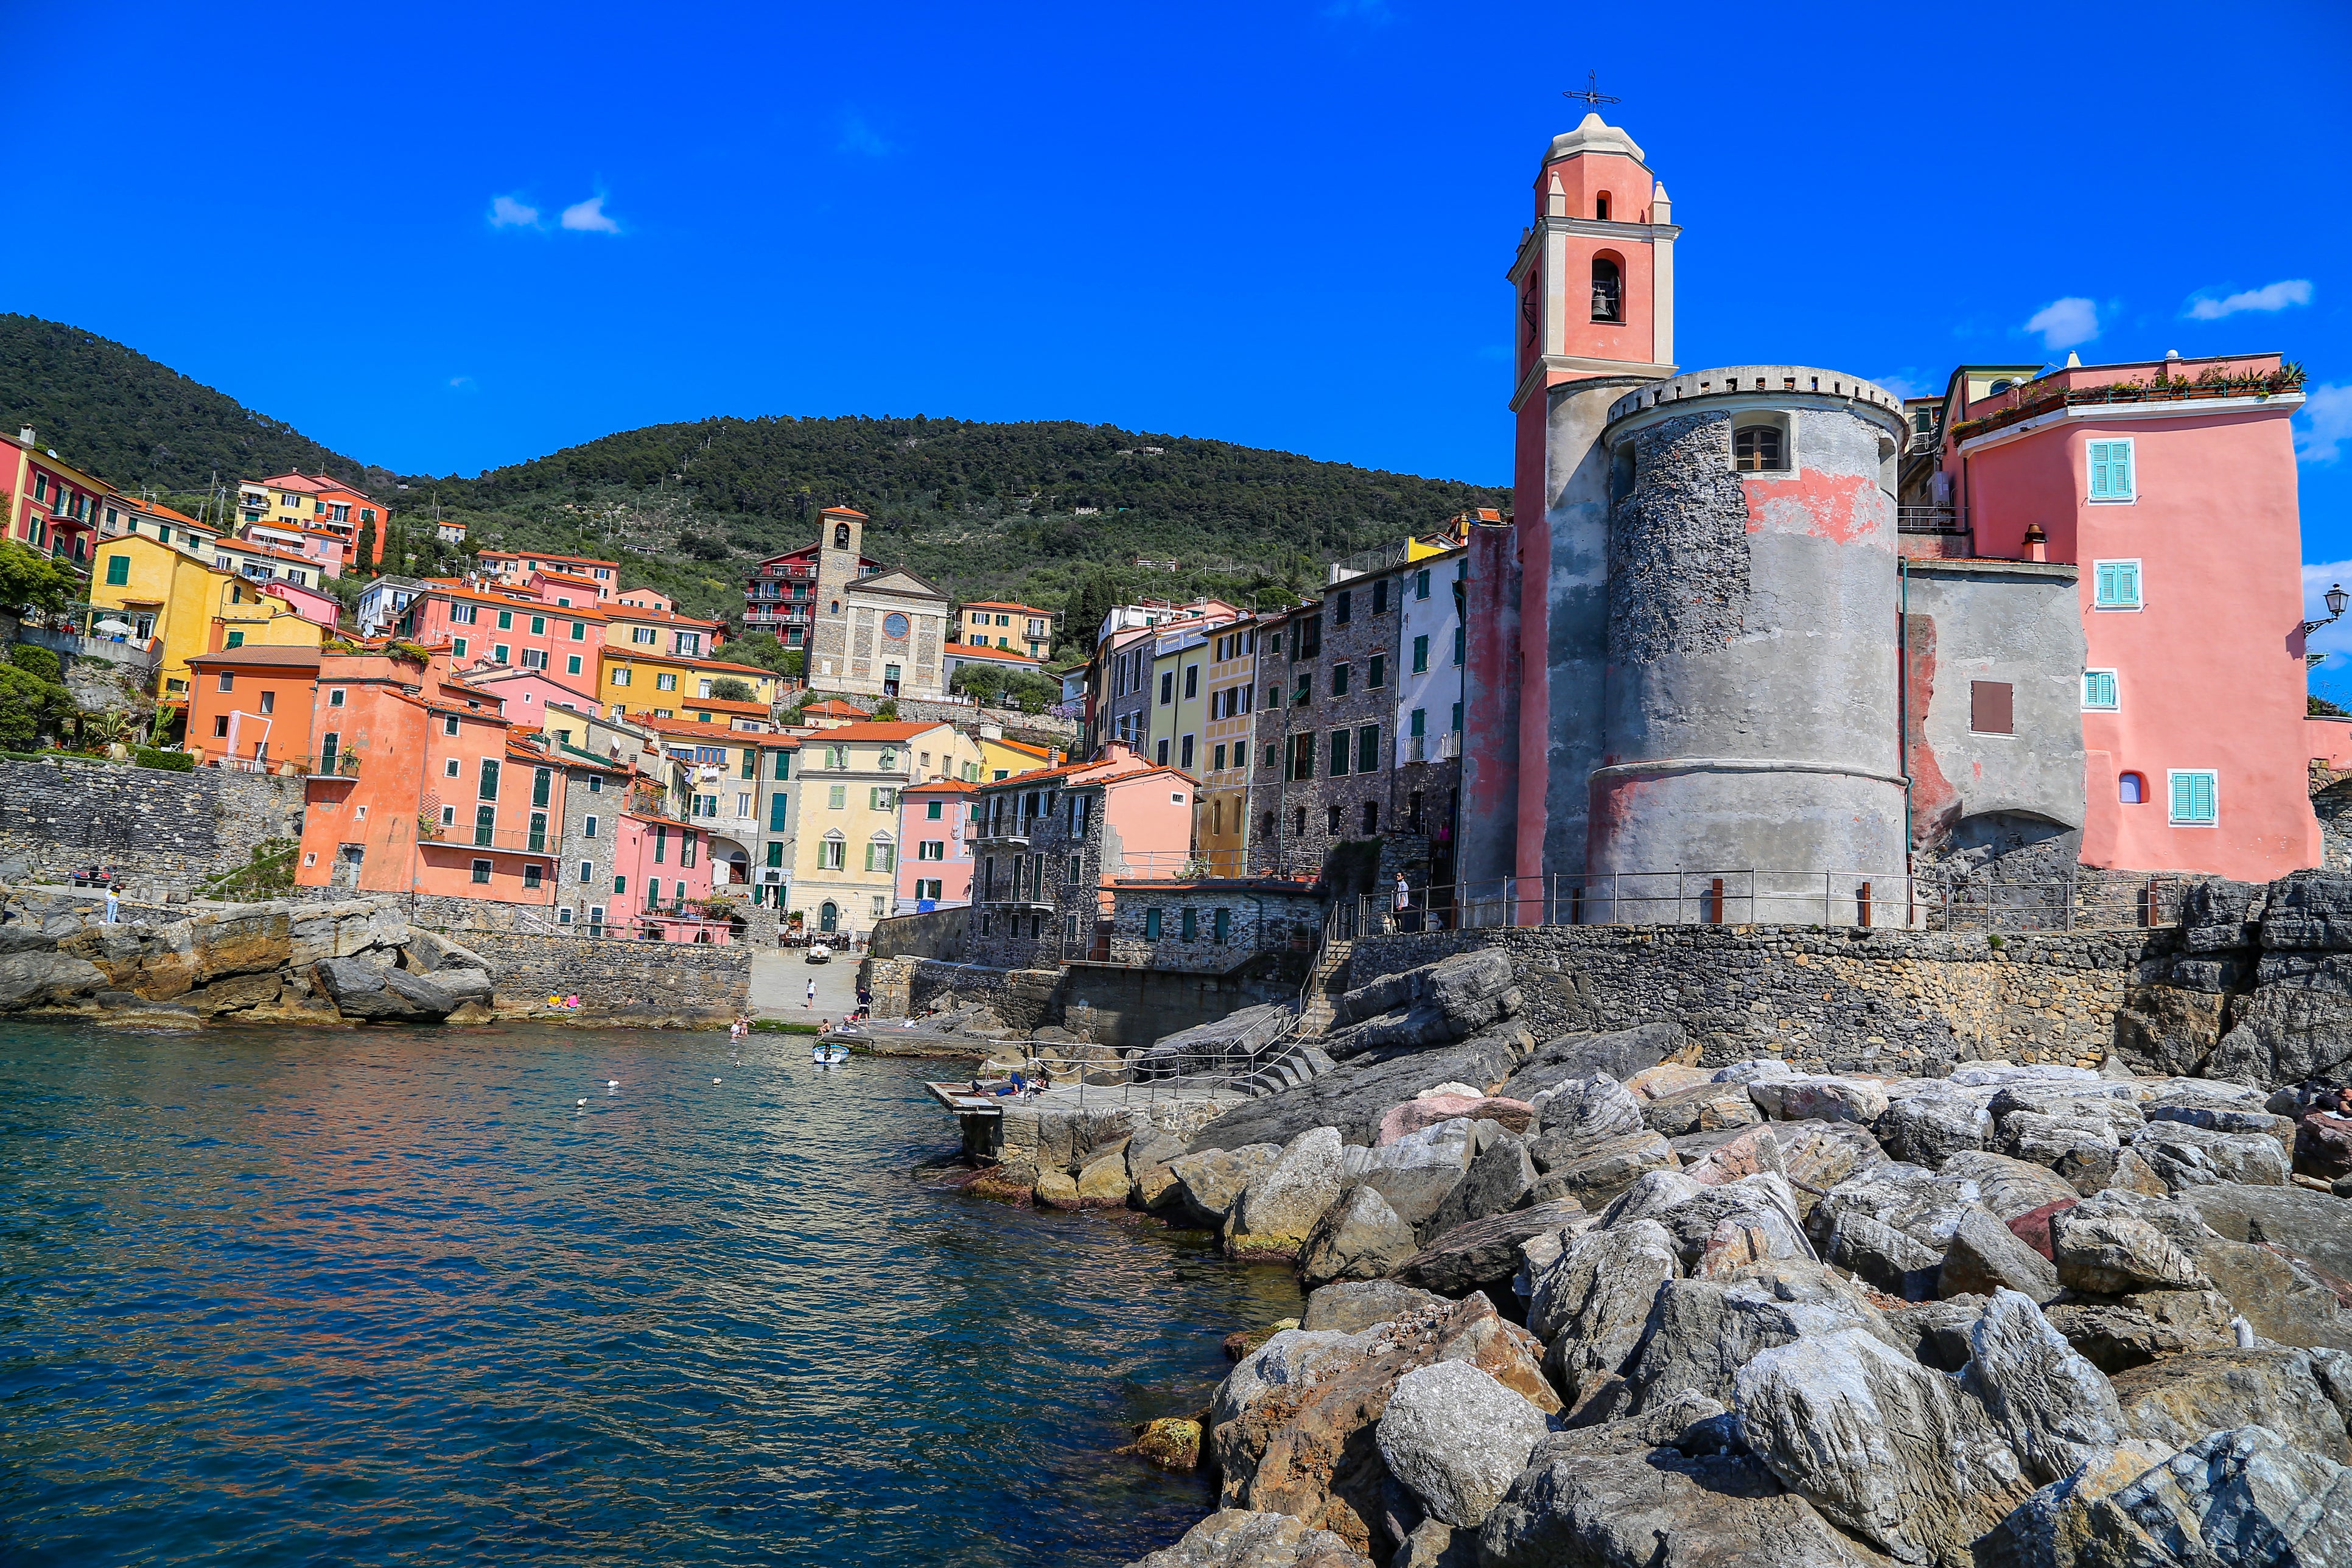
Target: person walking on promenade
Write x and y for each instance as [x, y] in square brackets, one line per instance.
[811, 1000]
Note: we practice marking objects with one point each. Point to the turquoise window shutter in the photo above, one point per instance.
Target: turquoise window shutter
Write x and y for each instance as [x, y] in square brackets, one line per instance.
[2181, 797]
[2127, 582]
[2099, 689]
[776, 806]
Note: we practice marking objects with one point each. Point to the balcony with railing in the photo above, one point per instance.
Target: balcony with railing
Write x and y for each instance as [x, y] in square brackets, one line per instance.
[548, 840]
[784, 574]
[1927, 520]
[1432, 747]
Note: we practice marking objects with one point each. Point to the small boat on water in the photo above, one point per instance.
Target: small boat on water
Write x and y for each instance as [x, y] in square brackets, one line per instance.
[828, 1053]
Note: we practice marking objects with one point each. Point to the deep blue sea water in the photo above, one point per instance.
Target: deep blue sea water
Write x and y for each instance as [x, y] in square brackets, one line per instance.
[288, 1296]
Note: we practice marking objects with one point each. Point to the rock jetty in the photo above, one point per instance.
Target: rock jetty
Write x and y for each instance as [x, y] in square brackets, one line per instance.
[1586, 1301]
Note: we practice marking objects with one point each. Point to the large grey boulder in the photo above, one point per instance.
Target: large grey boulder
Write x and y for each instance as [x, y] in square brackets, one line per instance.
[1244, 1538]
[1458, 1438]
[2174, 1029]
[1149, 1153]
[2142, 1327]
[2116, 1241]
[33, 977]
[1580, 1505]
[2182, 1154]
[1985, 1256]
[1929, 1127]
[1354, 1305]
[429, 953]
[1281, 1203]
[1354, 1097]
[1591, 1304]
[1617, 1053]
[1882, 1446]
[2281, 1293]
[2007, 1187]
[2083, 1148]
[1701, 1108]
[375, 995]
[2311, 911]
[2236, 1498]
[2296, 1024]
[2050, 1406]
[1444, 1001]
[2175, 1401]
[1416, 1171]
[1702, 1331]
[1595, 1170]
[1594, 1106]
[2316, 1225]
[1358, 1238]
[1892, 1223]
[1497, 1181]
[1209, 1183]
[1483, 1255]
[1814, 1156]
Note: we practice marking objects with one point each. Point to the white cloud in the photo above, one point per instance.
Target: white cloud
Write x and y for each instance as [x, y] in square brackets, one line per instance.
[2063, 323]
[858, 137]
[2268, 297]
[506, 212]
[589, 217]
[1905, 383]
[461, 382]
[2327, 416]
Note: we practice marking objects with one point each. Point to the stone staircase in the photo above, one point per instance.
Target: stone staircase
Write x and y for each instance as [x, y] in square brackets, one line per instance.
[1324, 987]
[1287, 1063]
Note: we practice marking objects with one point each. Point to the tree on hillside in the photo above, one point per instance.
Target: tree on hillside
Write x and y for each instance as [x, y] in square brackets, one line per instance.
[31, 581]
[727, 689]
[1031, 693]
[984, 683]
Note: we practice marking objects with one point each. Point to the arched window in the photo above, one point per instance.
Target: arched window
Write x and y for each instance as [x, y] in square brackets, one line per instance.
[841, 536]
[1608, 291]
[1998, 387]
[1756, 448]
[2130, 788]
[1600, 206]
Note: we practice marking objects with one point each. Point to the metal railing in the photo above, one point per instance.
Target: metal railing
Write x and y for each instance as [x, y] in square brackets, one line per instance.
[1927, 520]
[517, 840]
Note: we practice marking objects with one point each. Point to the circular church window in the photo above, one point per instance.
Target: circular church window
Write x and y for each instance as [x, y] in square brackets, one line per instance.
[894, 627]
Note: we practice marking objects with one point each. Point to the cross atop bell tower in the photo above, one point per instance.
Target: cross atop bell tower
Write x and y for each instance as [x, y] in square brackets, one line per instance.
[1595, 273]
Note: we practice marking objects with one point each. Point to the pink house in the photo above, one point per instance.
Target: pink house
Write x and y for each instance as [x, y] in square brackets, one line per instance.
[935, 838]
[312, 604]
[563, 643]
[661, 872]
[2170, 486]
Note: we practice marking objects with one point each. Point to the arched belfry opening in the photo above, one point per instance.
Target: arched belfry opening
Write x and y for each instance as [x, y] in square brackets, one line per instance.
[1608, 291]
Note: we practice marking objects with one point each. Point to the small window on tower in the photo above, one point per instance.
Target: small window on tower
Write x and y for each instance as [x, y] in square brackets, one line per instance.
[1759, 449]
[1608, 291]
[1600, 206]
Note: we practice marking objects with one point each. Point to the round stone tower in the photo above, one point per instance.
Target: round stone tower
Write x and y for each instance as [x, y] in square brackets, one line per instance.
[1750, 713]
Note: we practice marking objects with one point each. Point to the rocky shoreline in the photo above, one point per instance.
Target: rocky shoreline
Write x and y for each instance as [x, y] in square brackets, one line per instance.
[282, 962]
[1586, 1301]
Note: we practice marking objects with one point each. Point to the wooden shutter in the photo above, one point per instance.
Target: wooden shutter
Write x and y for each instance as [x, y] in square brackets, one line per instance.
[2099, 689]
[1993, 708]
[1339, 754]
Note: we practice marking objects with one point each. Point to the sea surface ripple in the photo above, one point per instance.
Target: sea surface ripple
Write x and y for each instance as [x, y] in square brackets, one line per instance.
[290, 1296]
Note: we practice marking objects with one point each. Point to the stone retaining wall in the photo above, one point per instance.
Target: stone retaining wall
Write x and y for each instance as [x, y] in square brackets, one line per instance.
[164, 832]
[657, 984]
[1890, 1001]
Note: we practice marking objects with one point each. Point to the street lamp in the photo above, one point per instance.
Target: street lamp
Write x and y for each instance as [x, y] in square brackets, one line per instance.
[2336, 600]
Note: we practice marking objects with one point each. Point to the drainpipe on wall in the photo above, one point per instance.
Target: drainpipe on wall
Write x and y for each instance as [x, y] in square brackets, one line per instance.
[1903, 723]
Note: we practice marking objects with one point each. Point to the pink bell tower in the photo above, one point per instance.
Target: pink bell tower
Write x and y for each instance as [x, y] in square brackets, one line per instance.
[1593, 317]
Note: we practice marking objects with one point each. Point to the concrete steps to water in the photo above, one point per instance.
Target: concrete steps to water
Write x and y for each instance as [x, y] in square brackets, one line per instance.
[1322, 997]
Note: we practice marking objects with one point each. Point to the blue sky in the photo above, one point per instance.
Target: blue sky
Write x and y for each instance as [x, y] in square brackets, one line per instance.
[446, 237]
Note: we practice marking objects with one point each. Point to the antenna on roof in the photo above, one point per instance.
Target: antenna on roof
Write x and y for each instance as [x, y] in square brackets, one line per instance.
[1592, 93]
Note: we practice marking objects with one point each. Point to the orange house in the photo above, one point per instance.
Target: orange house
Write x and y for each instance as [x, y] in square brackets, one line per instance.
[252, 706]
[418, 787]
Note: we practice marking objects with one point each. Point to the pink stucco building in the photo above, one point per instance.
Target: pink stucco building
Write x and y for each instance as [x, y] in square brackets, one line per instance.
[935, 824]
[2169, 486]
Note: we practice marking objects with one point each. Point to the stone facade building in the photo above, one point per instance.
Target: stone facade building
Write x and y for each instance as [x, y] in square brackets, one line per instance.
[1211, 927]
[1048, 845]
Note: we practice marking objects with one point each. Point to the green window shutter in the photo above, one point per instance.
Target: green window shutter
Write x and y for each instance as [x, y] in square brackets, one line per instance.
[1420, 656]
[1152, 925]
[777, 806]
[776, 856]
[1339, 754]
[869, 856]
[236, 639]
[751, 764]
[489, 787]
[1420, 721]
[117, 569]
[783, 765]
[1368, 749]
[539, 785]
[1191, 925]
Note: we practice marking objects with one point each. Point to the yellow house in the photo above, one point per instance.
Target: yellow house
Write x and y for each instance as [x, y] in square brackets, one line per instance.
[1220, 806]
[160, 591]
[844, 853]
[1001, 758]
[1180, 697]
[665, 686]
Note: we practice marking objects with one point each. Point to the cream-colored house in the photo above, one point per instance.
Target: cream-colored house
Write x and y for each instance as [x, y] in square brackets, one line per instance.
[844, 849]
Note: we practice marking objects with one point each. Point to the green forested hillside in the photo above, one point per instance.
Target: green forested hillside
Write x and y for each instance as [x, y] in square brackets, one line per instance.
[1022, 509]
[116, 413]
